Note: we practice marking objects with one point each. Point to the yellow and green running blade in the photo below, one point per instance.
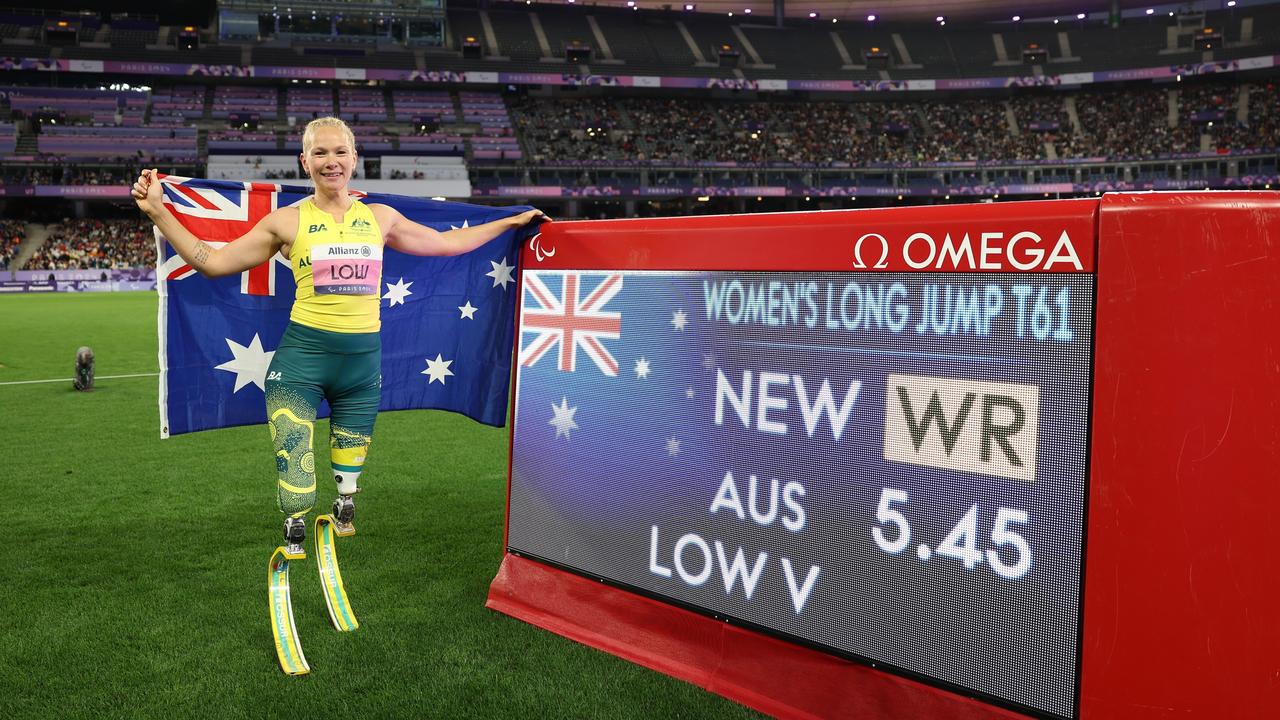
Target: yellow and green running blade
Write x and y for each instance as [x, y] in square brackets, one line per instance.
[335, 593]
[283, 629]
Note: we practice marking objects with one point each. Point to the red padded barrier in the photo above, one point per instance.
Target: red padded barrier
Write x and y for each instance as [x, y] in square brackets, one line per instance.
[770, 675]
[1181, 572]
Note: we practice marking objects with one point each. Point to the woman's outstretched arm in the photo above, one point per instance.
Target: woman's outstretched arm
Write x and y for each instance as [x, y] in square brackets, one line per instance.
[409, 237]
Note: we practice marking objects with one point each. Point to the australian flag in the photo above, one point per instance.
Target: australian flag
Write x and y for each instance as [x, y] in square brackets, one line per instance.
[448, 323]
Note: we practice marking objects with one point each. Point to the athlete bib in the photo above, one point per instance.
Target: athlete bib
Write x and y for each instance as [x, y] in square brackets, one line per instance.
[346, 268]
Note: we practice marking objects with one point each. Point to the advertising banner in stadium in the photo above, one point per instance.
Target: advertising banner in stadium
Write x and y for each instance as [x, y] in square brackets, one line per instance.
[887, 464]
[298, 72]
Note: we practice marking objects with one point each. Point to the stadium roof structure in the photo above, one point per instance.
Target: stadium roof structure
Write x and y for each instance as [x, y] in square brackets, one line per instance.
[917, 10]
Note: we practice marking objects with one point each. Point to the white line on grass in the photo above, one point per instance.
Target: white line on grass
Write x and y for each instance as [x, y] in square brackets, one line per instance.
[100, 377]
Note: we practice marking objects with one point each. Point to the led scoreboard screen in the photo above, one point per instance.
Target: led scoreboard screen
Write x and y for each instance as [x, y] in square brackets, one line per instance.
[889, 465]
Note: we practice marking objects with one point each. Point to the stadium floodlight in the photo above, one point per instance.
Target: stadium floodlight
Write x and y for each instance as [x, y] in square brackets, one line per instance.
[871, 18]
[1231, 3]
[1151, 11]
[1079, 16]
[746, 11]
[1017, 18]
[939, 19]
[1055, 21]
[690, 7]
[631, 3]
[813, 15]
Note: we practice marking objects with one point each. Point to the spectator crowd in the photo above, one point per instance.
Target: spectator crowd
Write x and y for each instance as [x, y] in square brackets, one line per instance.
[1117, 124]
[93, 244]
[11, 234]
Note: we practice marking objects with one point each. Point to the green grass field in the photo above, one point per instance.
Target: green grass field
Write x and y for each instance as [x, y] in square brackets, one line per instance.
[134, 570]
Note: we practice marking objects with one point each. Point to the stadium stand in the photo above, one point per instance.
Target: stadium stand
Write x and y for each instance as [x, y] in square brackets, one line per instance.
[514, 31]
[260, 102]
[686, 134]
[94, 244]
[12, 234]
[177, 105]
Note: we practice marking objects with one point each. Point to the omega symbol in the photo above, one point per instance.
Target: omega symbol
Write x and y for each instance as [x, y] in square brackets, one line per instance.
[883, 262]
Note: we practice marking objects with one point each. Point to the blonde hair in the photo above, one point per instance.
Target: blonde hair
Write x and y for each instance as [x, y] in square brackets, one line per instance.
[309, 134]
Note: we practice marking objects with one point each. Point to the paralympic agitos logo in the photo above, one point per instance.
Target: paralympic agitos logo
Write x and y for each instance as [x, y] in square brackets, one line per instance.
[994, 250]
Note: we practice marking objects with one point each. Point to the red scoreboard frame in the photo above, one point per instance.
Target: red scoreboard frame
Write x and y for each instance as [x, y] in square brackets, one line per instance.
[1181, 582]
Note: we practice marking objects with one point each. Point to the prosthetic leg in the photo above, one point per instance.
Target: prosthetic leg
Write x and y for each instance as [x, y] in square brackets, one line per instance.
[292, 433]
[284, 631]
[335, 593]
[347, 450]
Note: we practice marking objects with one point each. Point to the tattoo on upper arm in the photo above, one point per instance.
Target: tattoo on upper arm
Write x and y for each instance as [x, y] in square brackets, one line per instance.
[202, 254]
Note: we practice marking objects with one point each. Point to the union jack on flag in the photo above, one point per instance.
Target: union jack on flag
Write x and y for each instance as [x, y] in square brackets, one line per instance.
[571, 323]
[447, 323]
[219, 212]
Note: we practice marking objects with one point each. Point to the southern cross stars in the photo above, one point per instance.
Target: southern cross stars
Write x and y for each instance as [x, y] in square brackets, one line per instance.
[562, 420]
[437, 369]
[397, 292]
[679, 319]
[501, 273]
[249, 363]
[642, 368]
[468, 312]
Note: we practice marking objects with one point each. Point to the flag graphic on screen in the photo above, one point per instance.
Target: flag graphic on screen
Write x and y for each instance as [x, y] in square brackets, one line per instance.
[562, 320]
[447, 322]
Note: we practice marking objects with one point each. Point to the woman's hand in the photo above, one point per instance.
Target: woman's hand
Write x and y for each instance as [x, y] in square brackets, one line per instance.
[529, 216]
[147, 193]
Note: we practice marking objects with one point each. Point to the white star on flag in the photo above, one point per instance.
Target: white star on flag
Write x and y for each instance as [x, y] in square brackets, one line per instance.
[468, 312]
[642, 368]
[437, 369]
[249, 363]
[679, 319]
[501, 273]
[465, 224]
[562, 421]
[673, 447]
[398, 292]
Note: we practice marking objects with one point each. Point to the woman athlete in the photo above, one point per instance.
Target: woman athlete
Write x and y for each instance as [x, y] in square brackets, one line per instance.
[331, 349]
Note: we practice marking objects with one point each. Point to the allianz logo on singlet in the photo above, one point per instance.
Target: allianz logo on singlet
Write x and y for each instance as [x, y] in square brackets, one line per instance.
[340, 250]
[331, 252]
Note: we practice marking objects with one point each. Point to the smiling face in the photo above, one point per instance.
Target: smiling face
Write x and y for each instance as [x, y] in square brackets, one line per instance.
[329, 158]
